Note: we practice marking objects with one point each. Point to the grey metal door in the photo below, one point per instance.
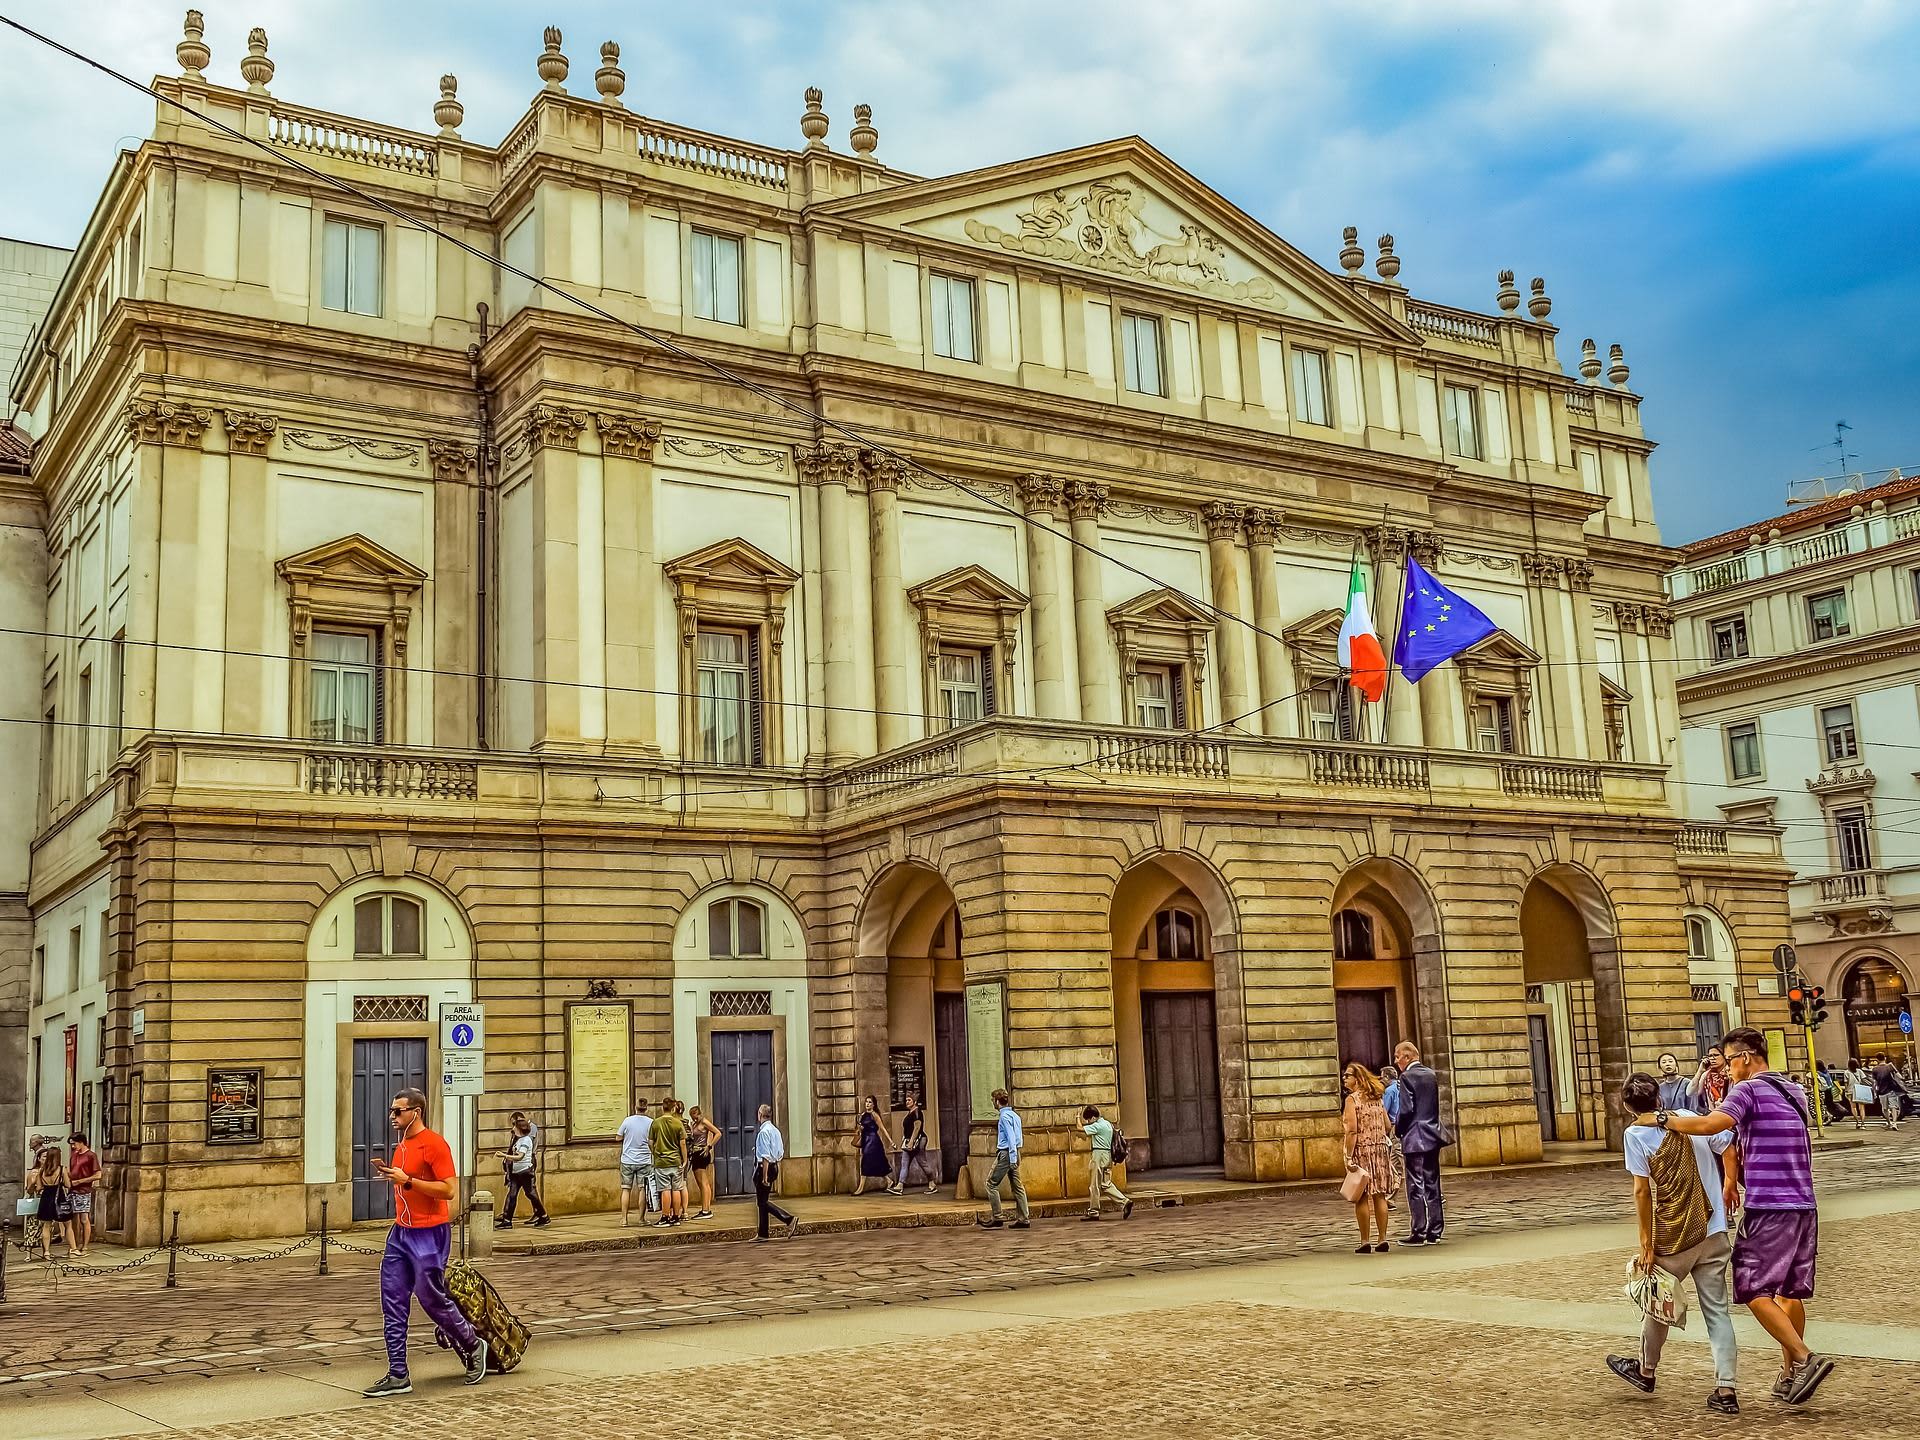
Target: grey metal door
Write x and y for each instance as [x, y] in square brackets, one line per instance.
[742, 1083]
[955, 1082]
[1183, 1078]
[1542, 1074]
[381, 1068]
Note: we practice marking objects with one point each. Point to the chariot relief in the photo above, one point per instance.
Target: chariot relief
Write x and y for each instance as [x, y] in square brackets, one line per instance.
[1101, 226]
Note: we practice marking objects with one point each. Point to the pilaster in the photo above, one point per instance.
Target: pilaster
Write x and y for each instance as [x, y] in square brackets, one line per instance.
[552, 434]
[893, 646]
[168, 510]
[833, 468]
[1566, 721]
[1086, 503]
[632, 585]
[1277, 685]
[1045, 500]
[1223, 520]
[246, 572]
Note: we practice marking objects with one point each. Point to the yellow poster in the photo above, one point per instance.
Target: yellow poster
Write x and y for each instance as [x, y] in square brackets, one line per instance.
[1777, 1050]
[599, 1047]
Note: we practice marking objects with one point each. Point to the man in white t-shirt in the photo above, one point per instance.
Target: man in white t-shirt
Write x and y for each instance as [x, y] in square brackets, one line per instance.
[1681, 1200]
[636, 1159]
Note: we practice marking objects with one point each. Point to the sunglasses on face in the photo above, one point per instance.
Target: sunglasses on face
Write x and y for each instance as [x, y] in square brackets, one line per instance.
[401, 1110]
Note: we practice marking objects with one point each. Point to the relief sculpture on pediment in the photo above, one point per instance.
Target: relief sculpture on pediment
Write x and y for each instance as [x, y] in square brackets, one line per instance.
[1101, 226]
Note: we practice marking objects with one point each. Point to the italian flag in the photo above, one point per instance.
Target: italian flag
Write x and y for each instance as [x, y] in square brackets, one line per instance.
[1360, 653]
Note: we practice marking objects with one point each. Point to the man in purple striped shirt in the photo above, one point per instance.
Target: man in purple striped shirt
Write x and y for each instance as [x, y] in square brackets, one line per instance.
[1774, 1252]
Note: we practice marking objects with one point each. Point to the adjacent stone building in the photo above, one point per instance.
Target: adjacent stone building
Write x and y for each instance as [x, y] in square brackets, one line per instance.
[1800, 708]
[419, 637]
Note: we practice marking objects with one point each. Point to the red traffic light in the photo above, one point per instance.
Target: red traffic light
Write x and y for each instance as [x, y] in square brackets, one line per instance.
[1796, 994]
[1815, 992]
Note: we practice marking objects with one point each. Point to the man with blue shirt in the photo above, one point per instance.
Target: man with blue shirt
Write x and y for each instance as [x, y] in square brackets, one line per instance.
[1006, 1166]
[768, 1151]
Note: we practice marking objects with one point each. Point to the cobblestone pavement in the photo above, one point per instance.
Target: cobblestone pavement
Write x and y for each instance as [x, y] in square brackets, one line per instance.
[1223, 1370]
[109, 1334]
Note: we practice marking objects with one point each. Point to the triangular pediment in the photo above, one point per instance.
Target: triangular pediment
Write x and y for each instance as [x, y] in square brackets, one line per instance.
[968, 585]
[1123, 209]
[1163, 607]
[735, 561]
[1320, 630]
[1500, 648]
[349, 559]
[1612, 689]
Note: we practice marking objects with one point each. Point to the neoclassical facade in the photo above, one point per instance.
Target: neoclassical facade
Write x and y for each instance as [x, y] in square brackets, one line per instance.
[416, 638]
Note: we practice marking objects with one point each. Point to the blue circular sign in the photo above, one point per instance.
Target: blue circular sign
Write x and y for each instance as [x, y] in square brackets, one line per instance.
[1906, 1022]
[463, 1035]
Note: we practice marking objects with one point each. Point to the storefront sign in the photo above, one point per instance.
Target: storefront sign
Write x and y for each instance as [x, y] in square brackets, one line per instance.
[986, 1043]
[906, 1075]
[233, 1106]
[599, 1051]
[1876, 1012]
[72, 1071]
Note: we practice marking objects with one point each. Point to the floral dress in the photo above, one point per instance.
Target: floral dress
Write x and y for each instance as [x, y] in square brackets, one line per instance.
[1367, 1142]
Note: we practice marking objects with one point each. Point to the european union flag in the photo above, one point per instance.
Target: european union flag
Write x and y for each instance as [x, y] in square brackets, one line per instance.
[1435, 624]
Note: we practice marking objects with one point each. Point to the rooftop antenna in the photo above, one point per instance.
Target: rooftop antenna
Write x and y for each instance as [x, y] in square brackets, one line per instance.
[1840, 429]
[1822, 487]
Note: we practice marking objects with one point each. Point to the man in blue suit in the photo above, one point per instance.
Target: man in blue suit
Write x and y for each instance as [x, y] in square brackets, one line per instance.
[1422, 1137]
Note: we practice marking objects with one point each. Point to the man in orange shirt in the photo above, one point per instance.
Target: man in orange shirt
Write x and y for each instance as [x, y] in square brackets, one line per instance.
[422, 1175]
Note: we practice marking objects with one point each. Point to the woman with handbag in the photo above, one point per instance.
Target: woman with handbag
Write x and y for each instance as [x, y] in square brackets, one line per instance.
[913, 1146]
[48, 1181]
[702, 1136]
[874, 1144]
[1364, 1124]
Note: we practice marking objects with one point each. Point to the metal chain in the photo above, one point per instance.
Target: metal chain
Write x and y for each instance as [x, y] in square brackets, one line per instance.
[333, 1244]
[248, 1259]
[67, 1267]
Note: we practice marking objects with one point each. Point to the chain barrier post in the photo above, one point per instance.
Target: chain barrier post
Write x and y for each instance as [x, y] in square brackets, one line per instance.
[5, 1243]
[173, 1254]
[323, 1234]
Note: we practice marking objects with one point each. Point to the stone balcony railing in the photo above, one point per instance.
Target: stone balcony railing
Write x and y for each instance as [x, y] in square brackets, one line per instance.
[1849, 887]
[296, 779]
[1870, 527]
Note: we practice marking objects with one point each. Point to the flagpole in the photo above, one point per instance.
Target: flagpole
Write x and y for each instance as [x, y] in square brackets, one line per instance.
[1386, 695]
[1353, 562]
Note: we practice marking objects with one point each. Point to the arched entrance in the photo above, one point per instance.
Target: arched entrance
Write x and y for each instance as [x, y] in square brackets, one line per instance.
[1375, 939]
[912, 923]
[1171, 923]
[1576, 1019]
[1875, 995]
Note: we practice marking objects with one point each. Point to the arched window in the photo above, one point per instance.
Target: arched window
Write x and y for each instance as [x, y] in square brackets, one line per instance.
[1353, 935]
[1873, 979]
[386, 925]
[1176, 936]
[736, 930]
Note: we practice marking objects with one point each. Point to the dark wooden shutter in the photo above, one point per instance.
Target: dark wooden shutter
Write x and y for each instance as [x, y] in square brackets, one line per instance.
[1504, 710]
[756, 730]
[989, 692]
[1177, 683]
[380, 687]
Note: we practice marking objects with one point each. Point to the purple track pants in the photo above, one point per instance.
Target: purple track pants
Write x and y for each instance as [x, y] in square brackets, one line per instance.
[416, 1264]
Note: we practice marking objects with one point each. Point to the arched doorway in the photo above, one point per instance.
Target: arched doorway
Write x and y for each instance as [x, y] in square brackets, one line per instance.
[1170, 922]
[1874, 994]
[911, 922]
[1388, 983]
[1576, 1019]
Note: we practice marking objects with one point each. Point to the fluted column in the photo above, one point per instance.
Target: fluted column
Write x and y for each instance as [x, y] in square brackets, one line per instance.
[1278, 715]
[1086, 502]
[893, 646]
[1045, 499]
[632, 587]
[552, 433]
[1229, 635]
[832, 468]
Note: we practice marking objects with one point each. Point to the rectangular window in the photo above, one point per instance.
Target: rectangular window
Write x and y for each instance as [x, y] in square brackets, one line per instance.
[1140, 340]
[343, 688]
[1839, 740]
[1699, 951]
[1493, 725]
[1462, 421]
[1330, 711]
[1310, 386]
[83, 735]
[1913, 577]
[1852, 838]
[117, 698]
[962, 686]
[49, 736]
[350, 267]
[1827, 615]
[1160, 697]
[716, 278]
[952, 305]
[1743, 750]
[726, 692]
[1729, 639]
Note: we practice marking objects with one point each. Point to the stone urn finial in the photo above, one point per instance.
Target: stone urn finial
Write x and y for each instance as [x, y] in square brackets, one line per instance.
[1508, 296]
[863, 137]
[255, 68]
[552, 65]
[1352, 257]
[1589, 361]
[1387, 264]
[192, 51]
[448, 112]
[813, 123]
[1617, 371]
[1538, 305]
[610, 80]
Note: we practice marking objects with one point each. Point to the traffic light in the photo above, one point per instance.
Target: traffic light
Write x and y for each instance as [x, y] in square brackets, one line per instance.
[1797, 1003]
[1816, 1007]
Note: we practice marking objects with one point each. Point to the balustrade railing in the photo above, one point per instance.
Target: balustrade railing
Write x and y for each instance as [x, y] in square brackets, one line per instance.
[1701, 839]
[1545, 780]
[711, 154]
[1580, 402]
[519, 144]
[1468, 328]
[1719, 574]
[1189, 756]
[1852, 885]
[394, 150]
[1905, 523]
[393, 777]
[1369, 769]
[892, 771]
[1827, 545]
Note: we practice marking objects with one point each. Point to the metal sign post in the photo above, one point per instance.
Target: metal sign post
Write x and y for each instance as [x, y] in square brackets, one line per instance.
[463, 1073]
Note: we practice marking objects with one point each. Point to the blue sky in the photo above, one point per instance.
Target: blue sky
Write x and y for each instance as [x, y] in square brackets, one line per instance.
[1727, 189]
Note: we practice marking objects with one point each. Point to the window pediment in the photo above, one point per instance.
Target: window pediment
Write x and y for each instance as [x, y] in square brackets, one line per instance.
[1315, 640]
[355, 583]
[972, 607]
[354, 564]
[969, 590]
[731, 582]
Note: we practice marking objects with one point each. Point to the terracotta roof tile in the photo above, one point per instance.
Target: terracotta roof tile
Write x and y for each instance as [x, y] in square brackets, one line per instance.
[16, 450]
[1806, 517]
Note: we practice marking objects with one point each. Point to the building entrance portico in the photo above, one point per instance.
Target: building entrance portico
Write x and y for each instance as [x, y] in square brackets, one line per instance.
[1571, 959]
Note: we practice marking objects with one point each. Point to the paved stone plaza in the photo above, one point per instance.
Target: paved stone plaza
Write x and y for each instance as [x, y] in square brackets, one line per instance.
[1188, 1318]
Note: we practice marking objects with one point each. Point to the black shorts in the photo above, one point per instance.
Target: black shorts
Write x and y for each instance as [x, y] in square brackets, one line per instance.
[700, 1162]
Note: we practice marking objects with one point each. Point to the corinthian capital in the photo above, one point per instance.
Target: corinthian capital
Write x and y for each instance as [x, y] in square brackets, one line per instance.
[1043, 494]
[1086, 499]
[555, 426]
[885, 473]
[452, 462]
[1262, 524]
[162, 422]
[1223, 519]
[627, 437]
[1542, 570]
[830, 465]
[249, 432]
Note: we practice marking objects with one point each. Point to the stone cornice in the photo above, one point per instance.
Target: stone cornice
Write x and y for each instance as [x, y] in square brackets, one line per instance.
[1772, 670]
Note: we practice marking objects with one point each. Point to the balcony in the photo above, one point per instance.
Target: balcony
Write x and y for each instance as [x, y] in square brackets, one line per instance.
[1871, 527]
[1852, 887]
